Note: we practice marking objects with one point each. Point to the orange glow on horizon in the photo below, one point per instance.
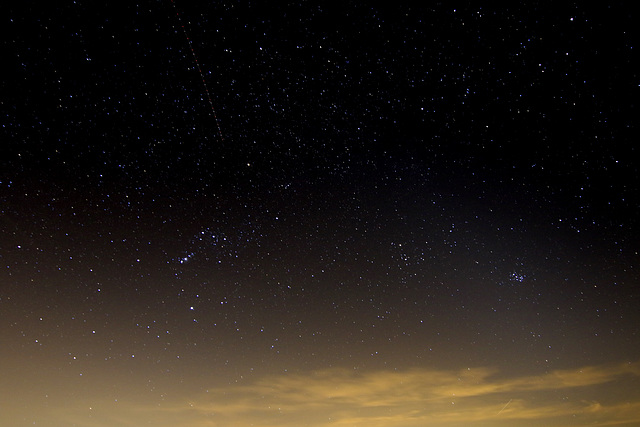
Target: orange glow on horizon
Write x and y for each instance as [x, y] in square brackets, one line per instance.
[606, 395]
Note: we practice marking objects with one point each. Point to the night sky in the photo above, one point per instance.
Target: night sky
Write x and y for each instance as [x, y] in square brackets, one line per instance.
[284, 214]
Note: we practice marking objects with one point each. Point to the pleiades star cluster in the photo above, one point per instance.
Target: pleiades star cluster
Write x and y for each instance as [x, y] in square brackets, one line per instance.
[296, 214]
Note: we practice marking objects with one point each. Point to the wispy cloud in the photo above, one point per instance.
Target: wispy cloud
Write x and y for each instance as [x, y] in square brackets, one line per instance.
[607, 395]
[338, 397]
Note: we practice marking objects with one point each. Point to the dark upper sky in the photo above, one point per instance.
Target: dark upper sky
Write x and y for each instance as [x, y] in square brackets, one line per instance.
[274, 214]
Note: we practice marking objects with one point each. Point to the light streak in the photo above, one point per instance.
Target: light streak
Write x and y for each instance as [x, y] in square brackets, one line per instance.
[504, 407]
[195, 59]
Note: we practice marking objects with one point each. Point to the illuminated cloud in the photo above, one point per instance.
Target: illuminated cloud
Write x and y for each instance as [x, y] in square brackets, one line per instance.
[606, 395]
[419, 397]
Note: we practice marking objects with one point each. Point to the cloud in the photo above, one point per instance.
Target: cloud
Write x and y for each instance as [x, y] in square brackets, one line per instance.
[607, 395]
[418, 397]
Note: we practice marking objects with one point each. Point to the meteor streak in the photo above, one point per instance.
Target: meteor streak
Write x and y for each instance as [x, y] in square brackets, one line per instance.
[504, 407]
